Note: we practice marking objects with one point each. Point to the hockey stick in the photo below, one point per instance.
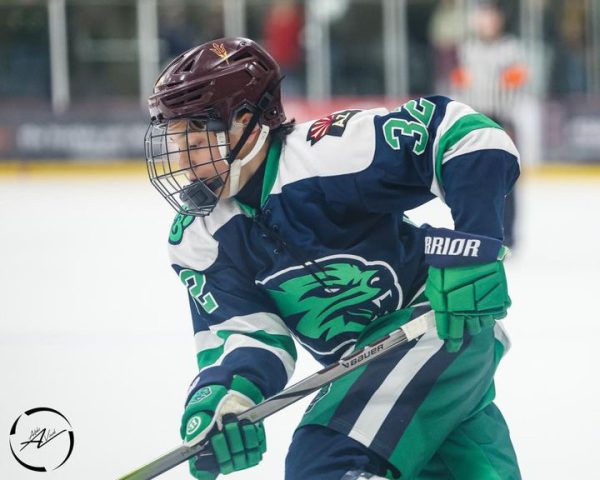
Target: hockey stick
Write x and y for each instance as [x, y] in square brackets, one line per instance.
[411, 330]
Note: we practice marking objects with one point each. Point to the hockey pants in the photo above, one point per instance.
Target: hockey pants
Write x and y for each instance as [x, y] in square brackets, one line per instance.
[418, 413]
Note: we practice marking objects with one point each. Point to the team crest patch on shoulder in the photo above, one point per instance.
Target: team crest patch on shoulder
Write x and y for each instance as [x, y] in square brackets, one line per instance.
[334, 125]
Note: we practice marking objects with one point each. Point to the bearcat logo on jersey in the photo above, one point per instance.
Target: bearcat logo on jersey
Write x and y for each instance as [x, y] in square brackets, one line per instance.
[350, 293]
[333, 124]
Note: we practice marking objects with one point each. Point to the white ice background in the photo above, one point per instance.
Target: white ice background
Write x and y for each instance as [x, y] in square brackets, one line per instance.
[94, 323]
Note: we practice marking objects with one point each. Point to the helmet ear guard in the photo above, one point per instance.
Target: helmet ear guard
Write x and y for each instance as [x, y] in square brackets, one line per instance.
[264, 102]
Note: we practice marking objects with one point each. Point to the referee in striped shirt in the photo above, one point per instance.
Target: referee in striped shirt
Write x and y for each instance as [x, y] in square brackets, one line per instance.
[491, 76]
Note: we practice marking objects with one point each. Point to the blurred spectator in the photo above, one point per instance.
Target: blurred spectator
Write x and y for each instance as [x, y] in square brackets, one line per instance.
[569, 68]
[176, 33]
[24, 52]
[444, 33]
[184, 24]
[282, 38]
[420, 52]
[491, 76]
[356, 47]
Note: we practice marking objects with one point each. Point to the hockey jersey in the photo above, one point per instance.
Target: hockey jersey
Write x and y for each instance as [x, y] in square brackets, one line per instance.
[329, 250]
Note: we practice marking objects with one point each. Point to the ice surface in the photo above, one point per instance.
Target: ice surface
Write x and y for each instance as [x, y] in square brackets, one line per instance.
[94, 323]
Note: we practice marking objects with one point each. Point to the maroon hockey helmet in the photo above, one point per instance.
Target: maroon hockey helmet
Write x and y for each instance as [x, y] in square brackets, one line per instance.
[204, 90]
[219, 79]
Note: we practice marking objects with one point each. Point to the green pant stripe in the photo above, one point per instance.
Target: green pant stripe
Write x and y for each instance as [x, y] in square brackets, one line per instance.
[455, 395]
[430, 414]
[334, 394]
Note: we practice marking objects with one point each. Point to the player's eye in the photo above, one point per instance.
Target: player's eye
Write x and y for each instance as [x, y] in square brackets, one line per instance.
[195, 144]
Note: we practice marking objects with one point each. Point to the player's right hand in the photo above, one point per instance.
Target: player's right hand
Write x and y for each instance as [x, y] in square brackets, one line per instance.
[210, 414]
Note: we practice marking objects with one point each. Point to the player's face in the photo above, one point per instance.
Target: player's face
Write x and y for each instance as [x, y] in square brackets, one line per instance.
[199, 153]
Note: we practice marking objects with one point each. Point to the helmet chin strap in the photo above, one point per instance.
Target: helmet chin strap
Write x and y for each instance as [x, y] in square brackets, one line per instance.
[236, 166]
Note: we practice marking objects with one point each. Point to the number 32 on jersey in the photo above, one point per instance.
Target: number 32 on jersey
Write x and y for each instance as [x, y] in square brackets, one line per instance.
[421, 111]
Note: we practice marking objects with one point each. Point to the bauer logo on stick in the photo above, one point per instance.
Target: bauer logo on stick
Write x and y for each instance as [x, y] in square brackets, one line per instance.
[362, 356]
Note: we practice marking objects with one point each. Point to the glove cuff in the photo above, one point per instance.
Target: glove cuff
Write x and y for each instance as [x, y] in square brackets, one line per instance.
[217, 400]
[450, 248]
[246, 387]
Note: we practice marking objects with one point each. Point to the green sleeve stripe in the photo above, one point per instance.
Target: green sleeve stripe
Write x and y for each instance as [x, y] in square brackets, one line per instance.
[462, 127]
[210, 356]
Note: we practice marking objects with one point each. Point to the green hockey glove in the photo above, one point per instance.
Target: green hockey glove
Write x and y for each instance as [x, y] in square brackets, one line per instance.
[210, 414]
[473, 296]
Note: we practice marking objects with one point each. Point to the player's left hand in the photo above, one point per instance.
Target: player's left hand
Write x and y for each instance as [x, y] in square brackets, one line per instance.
[473, 296]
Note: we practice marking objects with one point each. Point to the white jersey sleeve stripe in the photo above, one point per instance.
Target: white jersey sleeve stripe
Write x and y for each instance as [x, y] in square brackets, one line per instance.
[206, 339]
[482, 139]
[239, 330]
[254, 322]
[454, 112]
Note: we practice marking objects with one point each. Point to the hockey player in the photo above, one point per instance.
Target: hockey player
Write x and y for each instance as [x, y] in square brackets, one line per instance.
[296, 232]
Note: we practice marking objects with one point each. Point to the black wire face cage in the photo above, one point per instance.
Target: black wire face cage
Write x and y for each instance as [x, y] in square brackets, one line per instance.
[187, 162]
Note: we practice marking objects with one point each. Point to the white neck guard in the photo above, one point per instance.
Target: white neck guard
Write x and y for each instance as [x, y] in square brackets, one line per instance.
[236, 166]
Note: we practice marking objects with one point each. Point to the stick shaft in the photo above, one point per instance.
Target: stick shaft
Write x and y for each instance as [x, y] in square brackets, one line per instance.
[292, 394]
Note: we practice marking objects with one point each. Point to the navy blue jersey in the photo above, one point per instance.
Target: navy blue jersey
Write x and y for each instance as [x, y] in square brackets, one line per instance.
[330, 250]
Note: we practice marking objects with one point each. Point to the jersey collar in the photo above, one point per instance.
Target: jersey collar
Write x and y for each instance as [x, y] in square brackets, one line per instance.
[271, 170]
[269, 176]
